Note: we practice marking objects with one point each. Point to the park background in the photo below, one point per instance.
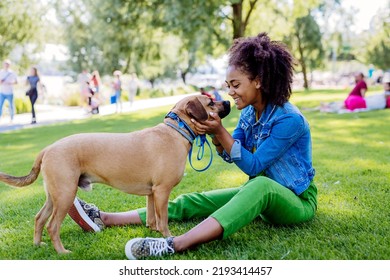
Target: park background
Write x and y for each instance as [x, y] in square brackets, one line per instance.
[175, 47]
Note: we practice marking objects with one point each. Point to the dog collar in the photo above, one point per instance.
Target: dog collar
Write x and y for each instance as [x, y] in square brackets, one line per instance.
[181, 125]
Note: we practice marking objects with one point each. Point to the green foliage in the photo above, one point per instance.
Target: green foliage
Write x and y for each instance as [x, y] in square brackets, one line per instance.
[19, 25]
[307, 45]
[350, 154]
[135, 38]
[73, 99]
[378, 48]
[22, 105]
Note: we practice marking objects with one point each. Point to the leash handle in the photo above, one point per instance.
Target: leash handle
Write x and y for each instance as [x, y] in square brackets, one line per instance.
[199, 142]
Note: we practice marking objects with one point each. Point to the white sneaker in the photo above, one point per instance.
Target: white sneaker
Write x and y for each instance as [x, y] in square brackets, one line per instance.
[138, 248]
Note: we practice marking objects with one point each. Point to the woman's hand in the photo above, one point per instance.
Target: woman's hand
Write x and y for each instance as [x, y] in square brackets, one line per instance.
[221, 137]
[210, 126]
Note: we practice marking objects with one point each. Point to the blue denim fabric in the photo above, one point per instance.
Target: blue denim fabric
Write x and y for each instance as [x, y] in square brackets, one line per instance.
[10, 98]
[281, 143]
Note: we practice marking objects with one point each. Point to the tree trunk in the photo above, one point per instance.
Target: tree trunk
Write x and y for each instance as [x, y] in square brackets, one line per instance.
[302, 62]
[239, 22]
[238, 30]
[152, 82]
[183, 76]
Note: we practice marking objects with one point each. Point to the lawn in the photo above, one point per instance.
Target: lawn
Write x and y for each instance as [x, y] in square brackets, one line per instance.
[350, 154]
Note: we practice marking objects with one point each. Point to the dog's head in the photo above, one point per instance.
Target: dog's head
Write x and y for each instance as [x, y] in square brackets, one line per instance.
[198, 107]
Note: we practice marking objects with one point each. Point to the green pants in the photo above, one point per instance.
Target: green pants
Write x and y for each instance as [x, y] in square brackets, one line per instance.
[236, 207]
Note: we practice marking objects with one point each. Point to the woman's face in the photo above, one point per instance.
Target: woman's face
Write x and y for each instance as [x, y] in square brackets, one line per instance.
[243, 90]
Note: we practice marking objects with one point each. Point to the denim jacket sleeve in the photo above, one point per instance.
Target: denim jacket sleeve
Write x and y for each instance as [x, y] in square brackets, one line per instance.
[235, 153]
[274, 140]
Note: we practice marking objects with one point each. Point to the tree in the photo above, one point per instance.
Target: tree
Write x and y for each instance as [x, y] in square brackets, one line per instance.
[239, 20]
[20, 24]
[306, 41]
[378, 44]
[198, 25]
[126, 35]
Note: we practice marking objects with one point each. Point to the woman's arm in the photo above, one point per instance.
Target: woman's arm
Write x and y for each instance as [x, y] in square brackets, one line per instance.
[284, 133]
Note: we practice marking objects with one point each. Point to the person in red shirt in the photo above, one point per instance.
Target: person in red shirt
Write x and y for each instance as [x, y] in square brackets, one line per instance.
[386, 87]
[355, 99]
[203, 92]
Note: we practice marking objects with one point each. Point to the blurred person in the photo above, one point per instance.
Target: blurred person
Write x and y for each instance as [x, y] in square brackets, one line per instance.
[217, 96]
[133, 87]
[95, 81]
[355, 99]
[386, 87]
[370, 72]
[7, 80]
[94, 89]
[33, 81]
[204, 92]
[83, 79]
[117, 87]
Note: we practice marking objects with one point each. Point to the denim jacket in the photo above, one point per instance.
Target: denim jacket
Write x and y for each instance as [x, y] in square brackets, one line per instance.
[278, 145]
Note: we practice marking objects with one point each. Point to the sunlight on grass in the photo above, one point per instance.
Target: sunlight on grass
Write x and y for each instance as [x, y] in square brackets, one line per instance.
[350, 154]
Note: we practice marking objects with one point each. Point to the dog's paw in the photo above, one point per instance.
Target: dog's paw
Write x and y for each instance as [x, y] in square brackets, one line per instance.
[65, 252]
[41, 244]
[152, 226]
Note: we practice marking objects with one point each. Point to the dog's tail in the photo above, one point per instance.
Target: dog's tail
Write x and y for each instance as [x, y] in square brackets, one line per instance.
[24, 180]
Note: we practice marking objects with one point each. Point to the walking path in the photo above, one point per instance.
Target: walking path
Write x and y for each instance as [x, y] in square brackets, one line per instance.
[49, 114]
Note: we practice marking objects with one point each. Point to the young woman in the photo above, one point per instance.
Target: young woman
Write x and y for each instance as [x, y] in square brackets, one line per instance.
[355, 99]
[32, 81]
[271, 144]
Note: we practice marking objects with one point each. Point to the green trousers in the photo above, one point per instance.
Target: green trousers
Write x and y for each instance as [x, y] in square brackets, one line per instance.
[236, 207]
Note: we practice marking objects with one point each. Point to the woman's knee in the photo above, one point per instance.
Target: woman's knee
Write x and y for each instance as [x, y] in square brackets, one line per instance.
[266, 184]
[184, 201]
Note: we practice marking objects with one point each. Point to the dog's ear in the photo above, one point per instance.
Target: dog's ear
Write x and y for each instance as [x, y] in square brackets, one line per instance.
[195, 109]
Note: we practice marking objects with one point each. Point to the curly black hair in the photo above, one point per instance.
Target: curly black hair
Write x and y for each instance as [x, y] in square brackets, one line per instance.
[270, 61]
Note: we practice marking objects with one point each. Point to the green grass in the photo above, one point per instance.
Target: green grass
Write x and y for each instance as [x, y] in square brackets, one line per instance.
[352, 160]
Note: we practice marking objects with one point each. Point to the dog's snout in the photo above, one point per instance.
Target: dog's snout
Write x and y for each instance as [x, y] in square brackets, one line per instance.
[226, 109]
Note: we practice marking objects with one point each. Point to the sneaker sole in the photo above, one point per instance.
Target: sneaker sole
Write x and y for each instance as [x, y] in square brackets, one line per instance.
[76, 212]
[128, 252]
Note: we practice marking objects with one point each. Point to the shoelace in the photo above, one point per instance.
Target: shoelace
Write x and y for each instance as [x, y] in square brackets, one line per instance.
[158, 247]
[90, 207]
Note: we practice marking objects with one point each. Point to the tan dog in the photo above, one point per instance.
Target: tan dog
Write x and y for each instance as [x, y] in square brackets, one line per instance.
[149, 162]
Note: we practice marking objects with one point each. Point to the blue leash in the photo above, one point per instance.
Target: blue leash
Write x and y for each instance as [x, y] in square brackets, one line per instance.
[199, 142]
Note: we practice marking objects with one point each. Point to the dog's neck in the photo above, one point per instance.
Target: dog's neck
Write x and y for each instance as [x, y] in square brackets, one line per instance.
[180, 126]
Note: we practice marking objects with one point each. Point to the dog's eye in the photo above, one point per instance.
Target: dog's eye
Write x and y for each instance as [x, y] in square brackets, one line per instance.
[211, 103]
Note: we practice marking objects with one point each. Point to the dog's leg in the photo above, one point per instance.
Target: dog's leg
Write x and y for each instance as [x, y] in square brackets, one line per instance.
[60, 210]
[150, 213]
[41, 219]
[161, 197]
[61, 188]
